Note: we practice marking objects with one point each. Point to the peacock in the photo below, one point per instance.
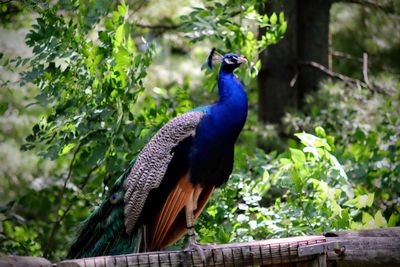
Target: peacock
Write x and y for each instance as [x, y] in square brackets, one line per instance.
[158, 198]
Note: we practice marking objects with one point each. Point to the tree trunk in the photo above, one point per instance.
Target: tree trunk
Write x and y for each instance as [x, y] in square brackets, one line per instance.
[282, 84]
[313, 42]
[279, 67]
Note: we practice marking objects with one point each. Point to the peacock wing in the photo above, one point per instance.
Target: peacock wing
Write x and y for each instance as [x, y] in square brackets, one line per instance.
[152, 163]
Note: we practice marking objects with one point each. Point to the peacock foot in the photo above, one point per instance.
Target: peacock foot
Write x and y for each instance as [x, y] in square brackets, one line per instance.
[193, 245]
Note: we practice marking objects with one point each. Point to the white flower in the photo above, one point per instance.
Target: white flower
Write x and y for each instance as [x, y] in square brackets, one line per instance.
[242, 218]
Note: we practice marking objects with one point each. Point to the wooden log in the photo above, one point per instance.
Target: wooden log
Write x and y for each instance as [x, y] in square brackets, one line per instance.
[22, 261]
[266, 253]
[389, 232]
[367, 248]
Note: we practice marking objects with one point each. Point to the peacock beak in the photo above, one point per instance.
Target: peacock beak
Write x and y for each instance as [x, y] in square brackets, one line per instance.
[242, 60]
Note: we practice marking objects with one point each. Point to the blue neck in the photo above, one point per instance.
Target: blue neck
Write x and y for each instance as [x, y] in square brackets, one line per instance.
[230, 112]
[228, 85]
[231, 92]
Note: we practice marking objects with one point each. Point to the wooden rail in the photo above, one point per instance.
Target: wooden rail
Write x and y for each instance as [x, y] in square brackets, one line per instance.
[366, 248]
[267, 252]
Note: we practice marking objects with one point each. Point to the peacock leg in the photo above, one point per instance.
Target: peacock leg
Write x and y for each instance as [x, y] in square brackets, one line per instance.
[192, 243]
[145, 247]
[139, 240]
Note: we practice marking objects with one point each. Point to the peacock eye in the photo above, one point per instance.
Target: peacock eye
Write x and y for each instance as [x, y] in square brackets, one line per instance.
[228, 61]
[114, 199]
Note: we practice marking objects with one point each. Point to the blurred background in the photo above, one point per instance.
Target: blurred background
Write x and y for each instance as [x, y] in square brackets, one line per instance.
[85, 84]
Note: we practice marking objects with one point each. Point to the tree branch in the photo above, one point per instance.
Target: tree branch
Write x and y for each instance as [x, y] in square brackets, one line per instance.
[59, 218]
[159, 27]
[340, 54]
[347, 80]
[365, 68]
[71, 203]
[370, 4]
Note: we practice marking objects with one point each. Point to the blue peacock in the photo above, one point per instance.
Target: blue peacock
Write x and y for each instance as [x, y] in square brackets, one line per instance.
[157, 200]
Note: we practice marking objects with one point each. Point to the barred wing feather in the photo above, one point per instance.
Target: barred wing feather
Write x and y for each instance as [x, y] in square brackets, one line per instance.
[152, 163]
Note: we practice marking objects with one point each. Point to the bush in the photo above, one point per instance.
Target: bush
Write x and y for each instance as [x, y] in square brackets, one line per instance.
[304, 190]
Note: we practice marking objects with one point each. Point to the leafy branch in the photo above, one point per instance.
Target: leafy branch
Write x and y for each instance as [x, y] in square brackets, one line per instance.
[89, 90]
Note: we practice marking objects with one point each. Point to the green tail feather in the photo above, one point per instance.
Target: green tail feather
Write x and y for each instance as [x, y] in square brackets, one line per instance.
[103, 232]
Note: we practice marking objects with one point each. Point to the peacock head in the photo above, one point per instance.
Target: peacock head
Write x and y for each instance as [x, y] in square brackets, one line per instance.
[229, 62]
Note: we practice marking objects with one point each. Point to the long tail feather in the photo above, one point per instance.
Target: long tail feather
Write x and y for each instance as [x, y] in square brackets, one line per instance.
[103, 232]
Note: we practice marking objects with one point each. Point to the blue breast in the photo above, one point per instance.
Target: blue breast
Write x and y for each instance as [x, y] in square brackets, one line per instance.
[211, 154]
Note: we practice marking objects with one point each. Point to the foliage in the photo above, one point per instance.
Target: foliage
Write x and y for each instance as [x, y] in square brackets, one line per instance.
[304, 190]
[367, 137]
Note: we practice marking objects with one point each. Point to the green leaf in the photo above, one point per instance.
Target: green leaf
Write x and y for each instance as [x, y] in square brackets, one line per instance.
[123, 58]
[336, 209]
[394, 218]
[370, 199]
[283, 28]
[120, 34]
[296, 179]
[368, 221]
[130, 45]
[281, 17]
[285, 161]
[325, 191]
[222, 236]
[338, 167]
[122, 8]
[67, 149]
[380, 221]
[361, 201]
[313, 151]
[320, 132]
[273, 19]
[265, 20]
[108, 23]
[356, 226]
[311, 140]
[3, 107]
[297, 155]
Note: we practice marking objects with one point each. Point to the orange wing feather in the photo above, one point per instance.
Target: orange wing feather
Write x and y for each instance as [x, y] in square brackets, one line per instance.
[178, 229]
[175, 202]
[170, 223]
